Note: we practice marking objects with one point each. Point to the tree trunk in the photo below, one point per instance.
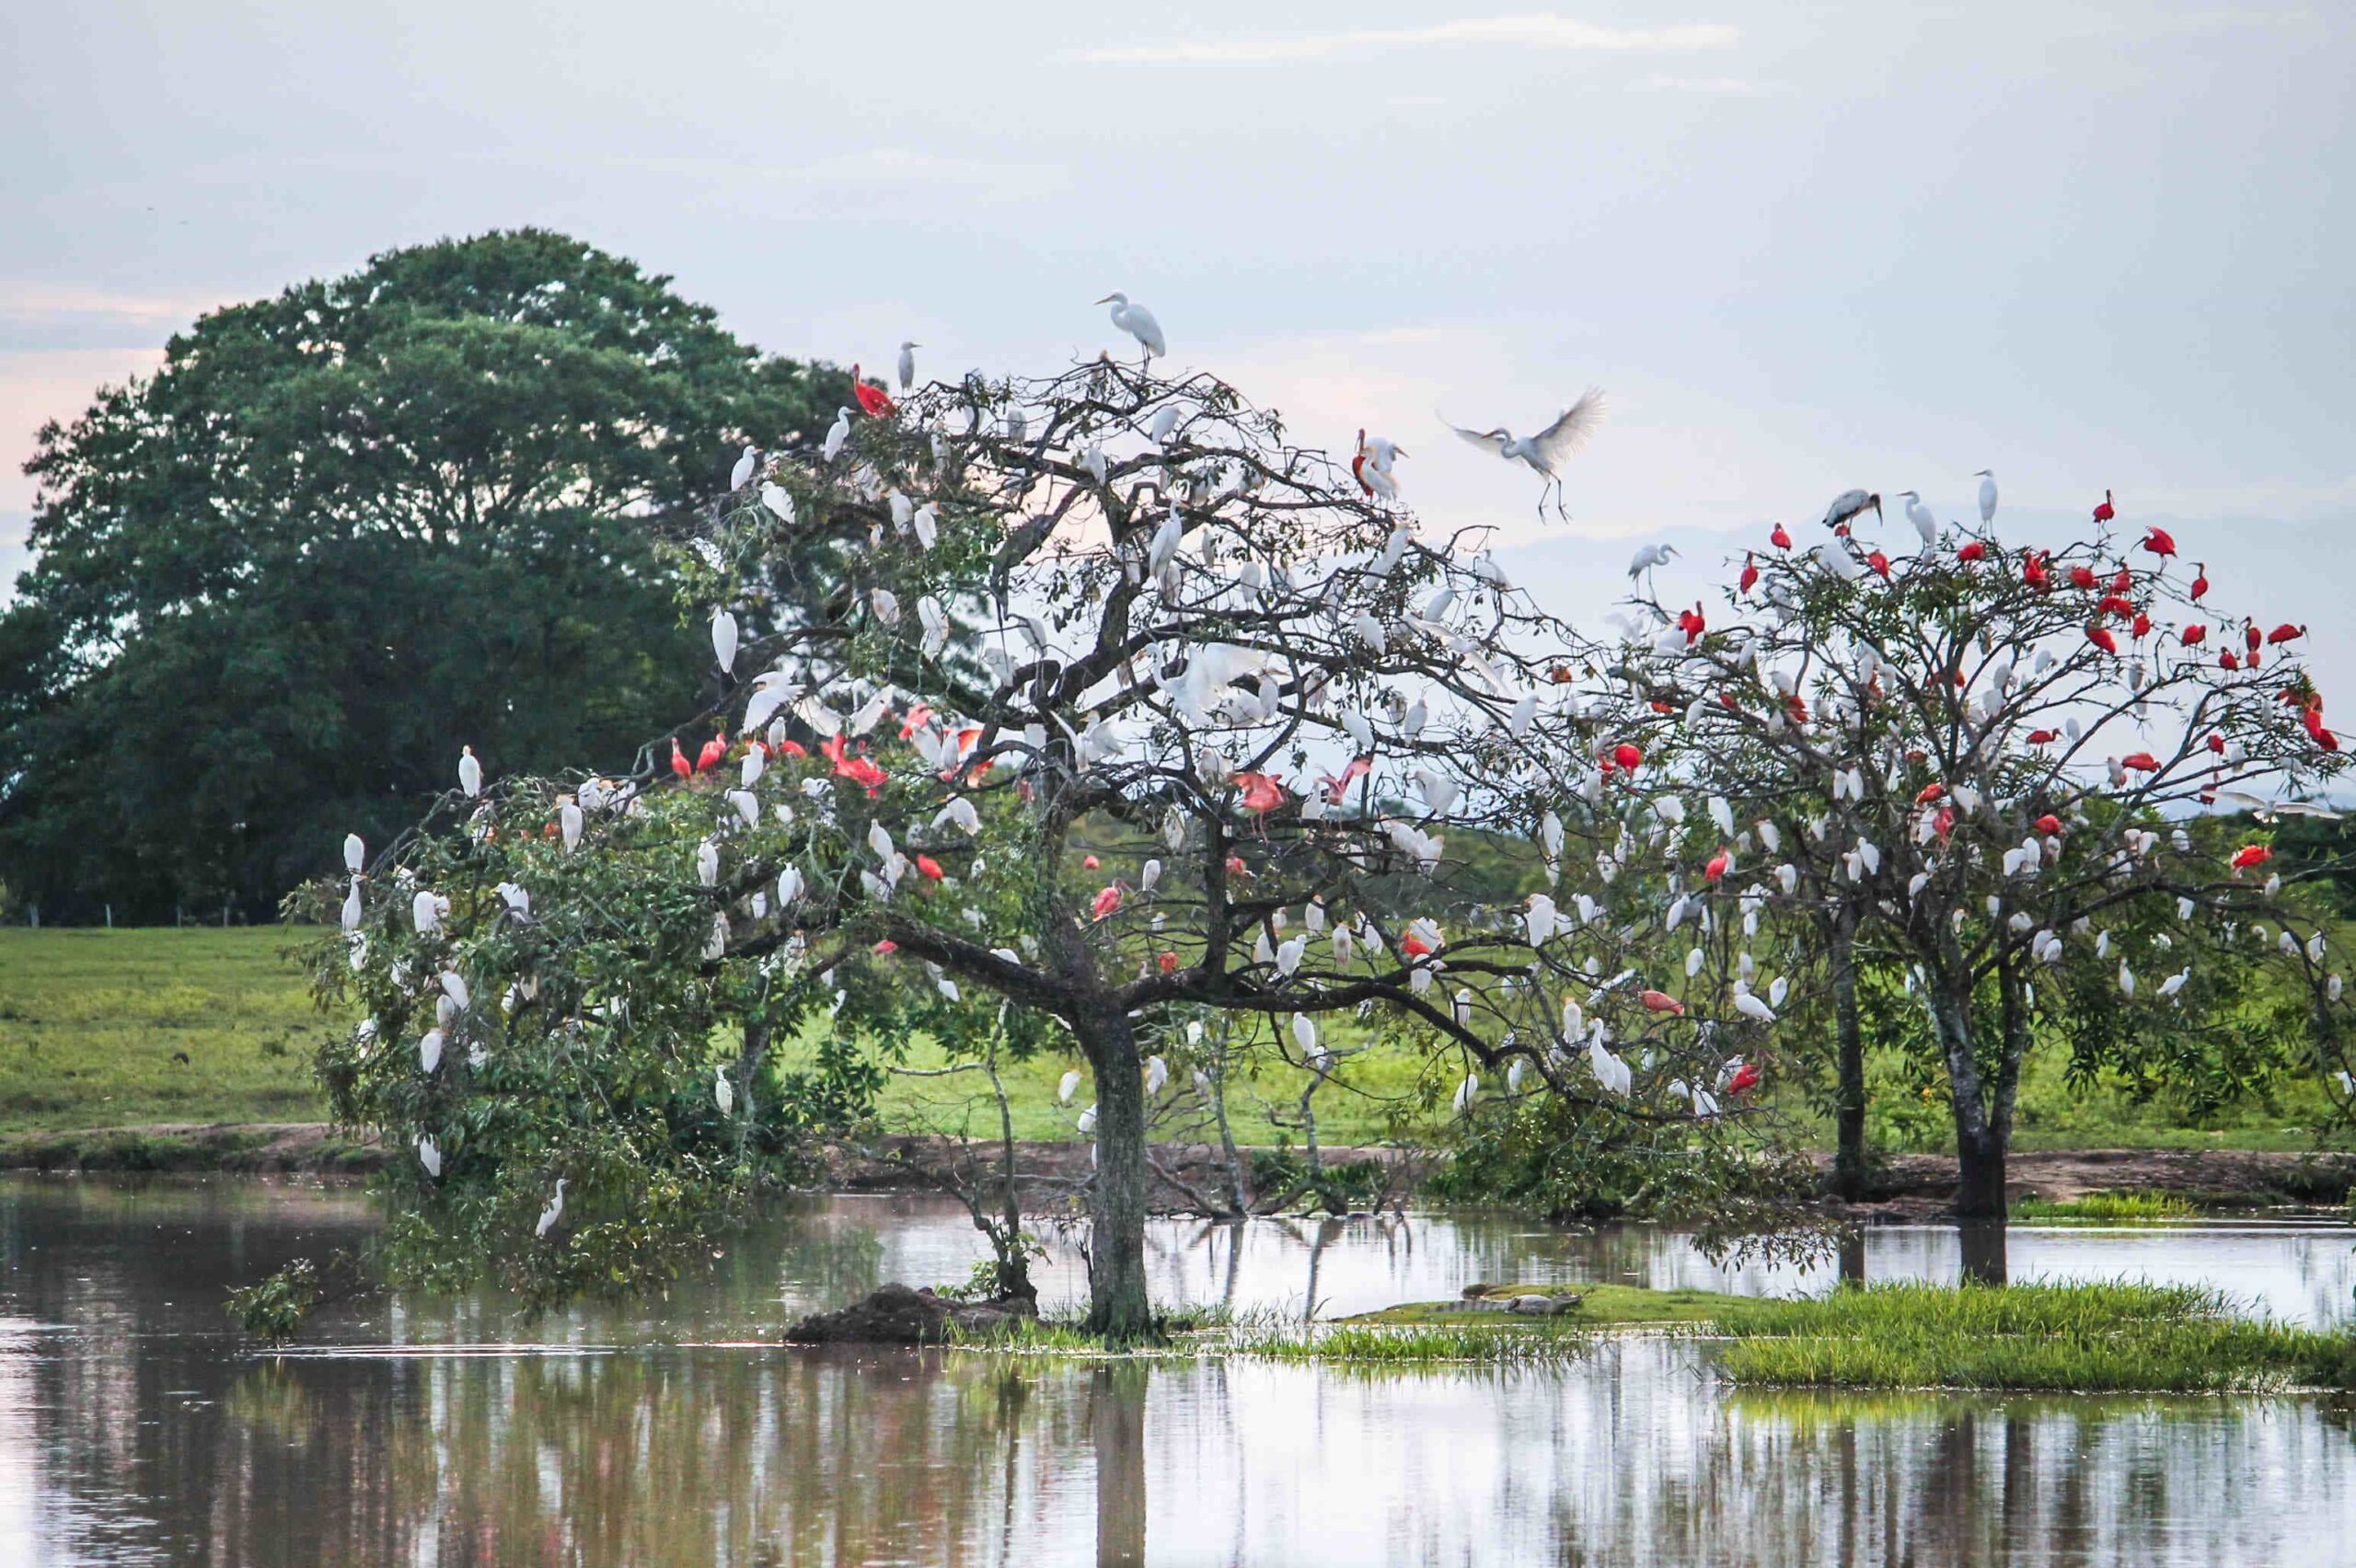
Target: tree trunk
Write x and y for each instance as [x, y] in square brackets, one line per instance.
[1118, 1306]
[1849, 1160]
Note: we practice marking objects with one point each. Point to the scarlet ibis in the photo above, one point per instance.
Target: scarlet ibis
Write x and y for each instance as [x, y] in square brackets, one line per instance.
[2217, 744]
[2105, 512]
[872, 400]
[1987, 496]
[1779, 539]
[1879, 562]
[2142, 627]
[679, 764]
[1692, 624]
[1627, 757]
[1108, 900]
[1716, 869]
[2049, 824]
[1261, 793]
[2160, 542]
[1545, 451]
[2194, 635]
[886, 947]
[1137, 322]
[1746, 1076]
[1089, 862]
[1928, 793]
[1338, 786]
[2115, 605]
[2250, 855]
[2083, 577]
[1975, 551]
[2285, 633]
[2043, 737]
[2226, 661]
[1169, 962]
[2123, 582]
[1661, 1002]
[2102, 640]
[2251, 635]
[2199, 580]
[2142, 762]
[1750, 574]
[715, 751]
[2033, 572]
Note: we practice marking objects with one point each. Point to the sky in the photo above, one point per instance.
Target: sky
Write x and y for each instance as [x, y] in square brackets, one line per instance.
[1802, 248]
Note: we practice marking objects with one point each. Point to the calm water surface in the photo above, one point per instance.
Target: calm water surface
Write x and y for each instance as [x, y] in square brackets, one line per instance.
[136, 1428]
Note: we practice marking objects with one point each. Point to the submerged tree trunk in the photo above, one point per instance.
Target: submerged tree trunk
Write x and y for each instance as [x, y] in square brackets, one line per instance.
[1849, 1159]
[1118, 1306]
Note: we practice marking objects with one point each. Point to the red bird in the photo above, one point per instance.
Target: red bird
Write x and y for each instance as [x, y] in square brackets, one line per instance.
[2115, 605]
[679, 764]
[1261, 793]
[1169, 961]
[1691, 623]
[1108, 901]
[2123, 582]
[2286, 632]
[1780, 539]
[2251, 635]
[2033, 572]
[1930, 792]
[1976, 550]
[2105, 512]
[1337, 787]
[2250, 855]
[2102, 640]
[2194, 635]
[2199, 580]
[1944, 824]
[1627, 757]
[1090, 863]
[2159, 542]
[716, 750]
[2142, 762]
[2049, 824]
[1750, 574]
[2082, 577]
[2142, 627]
[1716, 868]
[872, 401]
[1746, 1076]
[2043, 737]
[1879, 562]
[2227, 662]
[1661, 1002]
[930, 867]
[2217, 744]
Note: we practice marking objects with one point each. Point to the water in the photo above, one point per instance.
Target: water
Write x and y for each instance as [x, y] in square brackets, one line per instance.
[136, 1428]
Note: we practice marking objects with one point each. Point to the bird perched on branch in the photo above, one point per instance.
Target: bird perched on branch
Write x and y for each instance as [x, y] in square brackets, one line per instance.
[1849, 505]
[907, 366]
[1546, 451]
[1138, 323]
[1371, 466]
[873, 401]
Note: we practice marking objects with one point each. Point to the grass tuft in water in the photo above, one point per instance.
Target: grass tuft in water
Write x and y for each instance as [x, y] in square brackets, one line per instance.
[2109, 1208]
[2095, 1338]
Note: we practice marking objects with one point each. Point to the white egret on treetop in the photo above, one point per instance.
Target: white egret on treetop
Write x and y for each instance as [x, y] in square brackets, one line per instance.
[469, 772]
[1138, 323]
[1544, 452]
[1920, 515]
[1987, 495]
[907, 366]
[746, 465]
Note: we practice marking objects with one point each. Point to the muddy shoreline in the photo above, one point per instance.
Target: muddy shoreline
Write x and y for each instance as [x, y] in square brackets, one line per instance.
[1909, 1188]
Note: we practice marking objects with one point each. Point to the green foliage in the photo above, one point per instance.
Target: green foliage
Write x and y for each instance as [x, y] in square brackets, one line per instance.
[2110, 1208]
[338, 533]
[275, 1309]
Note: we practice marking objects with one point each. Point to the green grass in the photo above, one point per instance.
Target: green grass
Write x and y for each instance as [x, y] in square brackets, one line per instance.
[90, 1020]
[2095, 1338]
[1601, 1306]
[2109, 1208]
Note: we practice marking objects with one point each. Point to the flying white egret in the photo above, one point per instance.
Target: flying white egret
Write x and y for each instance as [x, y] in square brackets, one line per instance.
[469, 772]
[1920, 515]
[747, 466]
[1987, 495]
[1544, 452]
[1138, 323]
[554, 1212]
[907, 366]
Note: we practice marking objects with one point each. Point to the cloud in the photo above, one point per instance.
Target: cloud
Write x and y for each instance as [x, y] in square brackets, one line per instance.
[1727, 86]
[1537, 31]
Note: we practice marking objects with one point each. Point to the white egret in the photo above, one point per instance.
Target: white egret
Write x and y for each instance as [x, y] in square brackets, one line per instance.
[1069, 1087]
[429, 1051]
[1138, 323]
[355, 853]
[1157, 1073]
[747, 466]
[1920, 515]
[469, 772]
[722, 1094]
[836, 433]
[907, 366]
[1645, 560]
[554, 1212]
[1987, 495]
[1467, 1091]
[429, 1153]
[1544, 452]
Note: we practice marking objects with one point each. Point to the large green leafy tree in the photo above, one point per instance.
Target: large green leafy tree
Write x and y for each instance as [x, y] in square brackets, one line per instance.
[341, 531]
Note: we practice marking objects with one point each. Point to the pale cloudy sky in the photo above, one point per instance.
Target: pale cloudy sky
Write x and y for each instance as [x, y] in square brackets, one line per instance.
[1803, 247]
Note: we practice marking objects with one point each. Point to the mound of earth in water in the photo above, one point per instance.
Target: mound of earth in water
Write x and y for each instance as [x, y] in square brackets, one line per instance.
[898, 1315]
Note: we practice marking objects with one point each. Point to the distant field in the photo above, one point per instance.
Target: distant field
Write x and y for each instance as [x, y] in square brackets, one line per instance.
[90, 1021]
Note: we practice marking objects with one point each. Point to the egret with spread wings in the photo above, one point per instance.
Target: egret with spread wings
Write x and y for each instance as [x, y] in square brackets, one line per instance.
[1546, 451]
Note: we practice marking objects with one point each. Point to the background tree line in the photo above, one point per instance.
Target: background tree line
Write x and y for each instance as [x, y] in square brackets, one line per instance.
[274, 583]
